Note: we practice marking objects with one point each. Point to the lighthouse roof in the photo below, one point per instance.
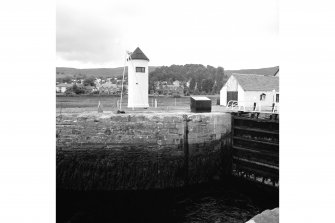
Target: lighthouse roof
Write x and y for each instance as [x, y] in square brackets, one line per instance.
[138, 55]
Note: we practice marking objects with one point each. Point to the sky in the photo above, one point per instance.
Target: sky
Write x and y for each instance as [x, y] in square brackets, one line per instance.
[234, 34]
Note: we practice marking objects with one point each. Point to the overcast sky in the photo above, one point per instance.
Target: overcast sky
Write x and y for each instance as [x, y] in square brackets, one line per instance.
[234, 34]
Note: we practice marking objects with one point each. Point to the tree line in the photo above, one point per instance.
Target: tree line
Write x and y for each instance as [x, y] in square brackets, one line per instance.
[203, 80]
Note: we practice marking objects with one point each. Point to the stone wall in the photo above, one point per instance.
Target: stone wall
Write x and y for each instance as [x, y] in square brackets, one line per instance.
[140, 151]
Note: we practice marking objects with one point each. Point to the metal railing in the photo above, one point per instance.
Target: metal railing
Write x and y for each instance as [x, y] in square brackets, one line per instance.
[233, 104]
[239, 105]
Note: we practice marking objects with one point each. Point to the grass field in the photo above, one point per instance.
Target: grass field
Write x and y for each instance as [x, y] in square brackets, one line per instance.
[79, 104]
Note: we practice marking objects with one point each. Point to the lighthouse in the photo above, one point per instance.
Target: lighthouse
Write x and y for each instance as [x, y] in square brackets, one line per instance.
[138, 79]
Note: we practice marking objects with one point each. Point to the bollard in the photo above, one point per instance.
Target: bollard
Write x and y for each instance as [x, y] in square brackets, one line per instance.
[100, 108]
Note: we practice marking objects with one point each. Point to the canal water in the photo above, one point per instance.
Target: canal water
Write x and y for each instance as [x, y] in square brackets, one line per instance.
[230, 201]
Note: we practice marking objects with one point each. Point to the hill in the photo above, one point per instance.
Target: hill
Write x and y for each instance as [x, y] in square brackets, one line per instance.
[269, 71]
[62, 72]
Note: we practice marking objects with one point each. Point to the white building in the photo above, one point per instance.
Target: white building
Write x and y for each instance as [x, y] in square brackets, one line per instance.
[248, 89]
[176, 83]
[61, 88]
[138, 80]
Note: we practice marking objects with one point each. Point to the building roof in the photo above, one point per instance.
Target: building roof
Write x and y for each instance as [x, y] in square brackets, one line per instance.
[138, 55]
[64, 85]
[270, 71]
[254, 82]
[108, 85]
[202, 98]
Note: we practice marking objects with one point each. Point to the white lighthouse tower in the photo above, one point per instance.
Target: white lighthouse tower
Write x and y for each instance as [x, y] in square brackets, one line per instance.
[138, 80]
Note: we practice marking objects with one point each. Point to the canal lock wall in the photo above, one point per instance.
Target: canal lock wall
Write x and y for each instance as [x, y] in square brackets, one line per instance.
[99, 151]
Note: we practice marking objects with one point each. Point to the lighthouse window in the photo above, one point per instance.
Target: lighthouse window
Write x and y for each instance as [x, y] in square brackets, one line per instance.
[140, 69]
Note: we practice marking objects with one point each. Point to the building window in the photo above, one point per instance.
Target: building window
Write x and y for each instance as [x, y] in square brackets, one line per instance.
[277, 98]
[262, 97]
[140, 69]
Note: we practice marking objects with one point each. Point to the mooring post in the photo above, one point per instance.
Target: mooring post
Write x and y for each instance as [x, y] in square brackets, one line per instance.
[100, 108]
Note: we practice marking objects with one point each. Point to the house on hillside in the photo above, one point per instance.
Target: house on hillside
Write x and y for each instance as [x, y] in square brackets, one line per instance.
[61, 88]
[171, 89]
[90, 89]
[176, 83]
[248, 89]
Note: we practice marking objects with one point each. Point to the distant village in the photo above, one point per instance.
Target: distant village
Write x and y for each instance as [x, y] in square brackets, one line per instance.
[108, 86]
[113, 86]
[97, 85]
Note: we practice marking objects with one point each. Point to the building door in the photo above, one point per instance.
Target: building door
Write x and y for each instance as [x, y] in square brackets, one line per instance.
[231, 95]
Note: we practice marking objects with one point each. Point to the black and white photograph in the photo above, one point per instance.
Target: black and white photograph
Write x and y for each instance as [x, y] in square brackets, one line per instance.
[167, 111]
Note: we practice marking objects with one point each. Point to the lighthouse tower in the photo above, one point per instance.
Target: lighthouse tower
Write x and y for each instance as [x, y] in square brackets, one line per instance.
[138, 80]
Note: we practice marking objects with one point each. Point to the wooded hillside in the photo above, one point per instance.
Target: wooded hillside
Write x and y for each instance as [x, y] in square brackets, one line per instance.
[202, 79]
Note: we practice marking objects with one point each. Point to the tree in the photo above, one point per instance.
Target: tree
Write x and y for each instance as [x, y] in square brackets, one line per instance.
[215, 89]
[89, 81]
[67, 79]
[151, 85]
[219, 74]
[220, 79]
[75, 89]
[192, 85]
[207, 85]
[196, 91]
[194, 72]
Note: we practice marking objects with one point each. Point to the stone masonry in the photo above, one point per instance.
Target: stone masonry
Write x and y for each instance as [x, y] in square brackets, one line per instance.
[99, 151]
